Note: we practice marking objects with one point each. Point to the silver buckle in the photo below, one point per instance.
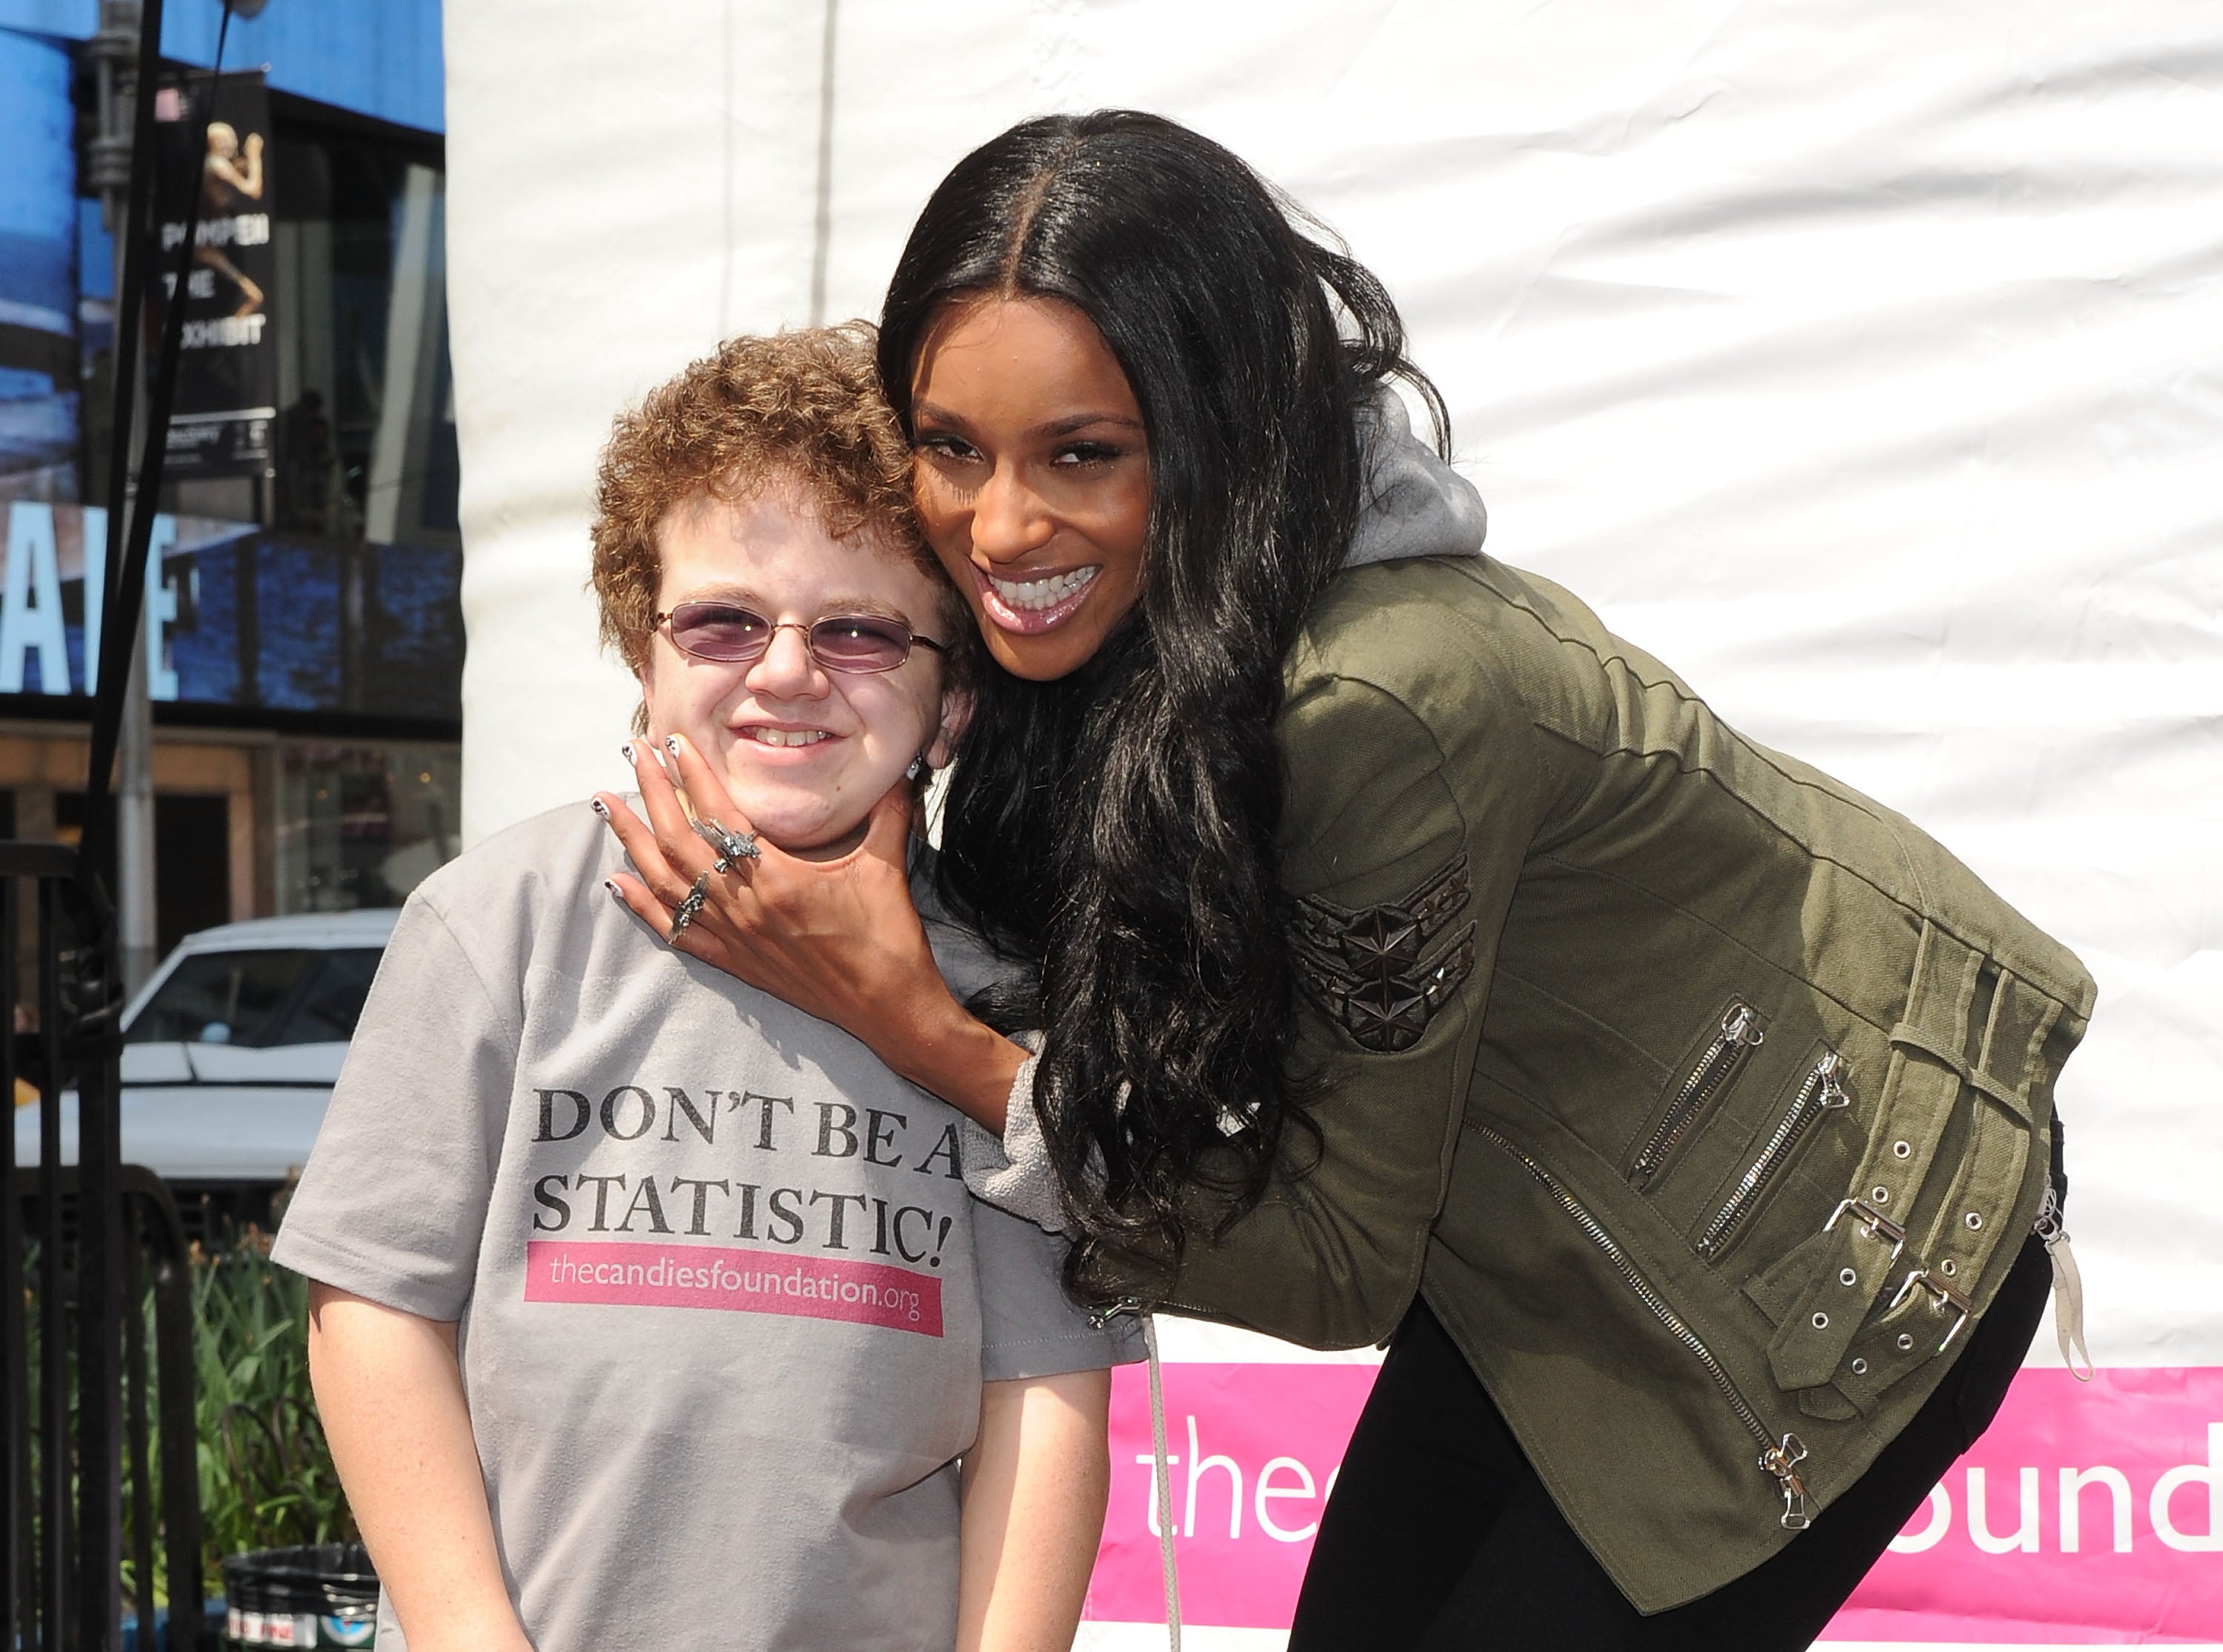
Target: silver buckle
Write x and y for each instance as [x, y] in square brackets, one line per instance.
[1943, 1298]
[1873, 1222]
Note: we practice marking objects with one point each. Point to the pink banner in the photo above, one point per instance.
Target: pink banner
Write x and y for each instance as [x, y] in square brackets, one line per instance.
[739, 1281]
[1255, 1450]
[2088, 1515]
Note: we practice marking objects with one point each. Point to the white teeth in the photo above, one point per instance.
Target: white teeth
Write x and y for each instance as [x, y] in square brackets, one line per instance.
[1043, 593]
[786, 736]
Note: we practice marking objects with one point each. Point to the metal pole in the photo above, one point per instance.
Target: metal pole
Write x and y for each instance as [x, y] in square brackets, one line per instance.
[108, 156]
[94, 1048]
[109, 165]
[134, 826]
[18, 1572]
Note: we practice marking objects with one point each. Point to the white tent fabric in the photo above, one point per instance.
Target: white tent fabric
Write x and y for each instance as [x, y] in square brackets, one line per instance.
[1864, 361]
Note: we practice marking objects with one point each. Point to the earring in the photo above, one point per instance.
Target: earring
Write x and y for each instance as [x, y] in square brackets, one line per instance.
[918, 767]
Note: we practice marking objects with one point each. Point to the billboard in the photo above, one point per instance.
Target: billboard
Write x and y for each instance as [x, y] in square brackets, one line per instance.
[227, 392]
[236, 617]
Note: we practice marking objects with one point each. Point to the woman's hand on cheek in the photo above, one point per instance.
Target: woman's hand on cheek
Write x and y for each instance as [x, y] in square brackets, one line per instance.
[840, 939]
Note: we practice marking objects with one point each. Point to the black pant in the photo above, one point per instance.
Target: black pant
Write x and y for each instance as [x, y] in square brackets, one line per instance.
[1440, 1536]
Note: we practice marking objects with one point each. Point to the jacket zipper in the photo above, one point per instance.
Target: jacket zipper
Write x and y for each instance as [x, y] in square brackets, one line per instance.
[1822, 1092]
[1780, 1458]
[1742, 1031]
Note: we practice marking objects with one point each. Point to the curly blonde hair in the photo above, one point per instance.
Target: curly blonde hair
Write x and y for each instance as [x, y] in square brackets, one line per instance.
[801, 408]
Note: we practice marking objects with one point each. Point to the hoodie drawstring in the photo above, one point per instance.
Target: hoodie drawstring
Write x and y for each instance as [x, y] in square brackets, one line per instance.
[1165, 1484]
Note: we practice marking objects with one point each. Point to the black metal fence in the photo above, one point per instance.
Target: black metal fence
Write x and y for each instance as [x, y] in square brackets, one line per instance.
[97, 1482]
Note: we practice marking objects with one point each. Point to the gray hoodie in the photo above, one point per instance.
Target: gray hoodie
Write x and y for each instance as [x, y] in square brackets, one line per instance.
[1414, 505]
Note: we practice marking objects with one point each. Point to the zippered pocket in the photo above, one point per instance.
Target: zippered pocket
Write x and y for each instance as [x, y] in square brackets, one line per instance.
[1823, 1091]
[1779, 1458]
[1743, 1030]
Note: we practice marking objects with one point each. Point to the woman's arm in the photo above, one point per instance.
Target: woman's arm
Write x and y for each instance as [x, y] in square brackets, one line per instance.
[1387, 802]
[1404, 837]
[838, 939]
[392, 1398]
[1036, 1482]
[1409, 829]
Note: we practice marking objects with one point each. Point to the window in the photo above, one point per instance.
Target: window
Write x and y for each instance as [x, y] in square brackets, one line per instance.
[259, 999]
[360, 825]
[325, 1012]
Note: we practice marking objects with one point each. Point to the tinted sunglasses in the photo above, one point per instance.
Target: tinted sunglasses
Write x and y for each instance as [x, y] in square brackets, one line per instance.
[843, 642]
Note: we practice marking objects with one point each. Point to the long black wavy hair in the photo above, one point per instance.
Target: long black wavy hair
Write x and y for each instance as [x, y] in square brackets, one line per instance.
[1116, 828]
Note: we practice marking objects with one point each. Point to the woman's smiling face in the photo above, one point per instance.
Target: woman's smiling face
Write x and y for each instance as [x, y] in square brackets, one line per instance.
[805, 751]
[1033, 478]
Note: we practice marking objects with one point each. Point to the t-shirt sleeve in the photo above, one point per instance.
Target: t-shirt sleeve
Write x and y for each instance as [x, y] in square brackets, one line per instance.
[1028, 1326]
[393, 1199]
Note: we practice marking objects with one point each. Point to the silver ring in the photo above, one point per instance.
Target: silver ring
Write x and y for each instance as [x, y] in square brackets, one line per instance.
[689, 909]
[731, 846]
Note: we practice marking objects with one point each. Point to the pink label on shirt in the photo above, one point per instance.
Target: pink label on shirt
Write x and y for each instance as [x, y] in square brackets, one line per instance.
[740, 1281]
[2088, 1514]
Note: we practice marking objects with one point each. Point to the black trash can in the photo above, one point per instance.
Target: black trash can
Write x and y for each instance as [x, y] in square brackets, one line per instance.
[320, 1594]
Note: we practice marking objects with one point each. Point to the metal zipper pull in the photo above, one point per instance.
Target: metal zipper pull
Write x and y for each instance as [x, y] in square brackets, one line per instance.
[1742, 1025]
[1105, 1312]
[1782, 1460]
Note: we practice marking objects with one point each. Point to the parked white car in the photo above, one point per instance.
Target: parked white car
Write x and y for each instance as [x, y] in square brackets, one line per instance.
[230, 1049]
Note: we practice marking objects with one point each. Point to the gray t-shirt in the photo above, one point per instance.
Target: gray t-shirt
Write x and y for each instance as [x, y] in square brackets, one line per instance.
[726, 1305]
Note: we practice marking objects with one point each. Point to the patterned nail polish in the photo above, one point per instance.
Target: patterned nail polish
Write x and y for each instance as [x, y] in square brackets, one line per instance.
[599, 807]
[616, 893]
[625, 751]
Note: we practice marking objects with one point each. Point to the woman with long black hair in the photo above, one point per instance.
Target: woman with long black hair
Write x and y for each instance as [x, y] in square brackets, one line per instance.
[1402, 957]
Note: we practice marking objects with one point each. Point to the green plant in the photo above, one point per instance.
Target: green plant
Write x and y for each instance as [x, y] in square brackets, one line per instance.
[266, 1472]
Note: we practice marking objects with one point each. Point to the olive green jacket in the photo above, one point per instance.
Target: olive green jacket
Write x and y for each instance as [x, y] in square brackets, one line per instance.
[1702, 1099]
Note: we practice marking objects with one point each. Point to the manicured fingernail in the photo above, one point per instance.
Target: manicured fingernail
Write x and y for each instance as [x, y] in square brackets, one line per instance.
[671, 744]
[599, 807]
[625, 751]
[616, 893]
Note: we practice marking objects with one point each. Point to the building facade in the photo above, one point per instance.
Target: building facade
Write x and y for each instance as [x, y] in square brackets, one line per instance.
[305, 639]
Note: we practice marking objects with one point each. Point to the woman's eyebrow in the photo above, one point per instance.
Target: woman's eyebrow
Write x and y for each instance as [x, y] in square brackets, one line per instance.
[927, 412]
[1072, 422]
[934, 413]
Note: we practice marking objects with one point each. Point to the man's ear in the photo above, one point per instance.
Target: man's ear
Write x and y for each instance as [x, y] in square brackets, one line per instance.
[956, 712]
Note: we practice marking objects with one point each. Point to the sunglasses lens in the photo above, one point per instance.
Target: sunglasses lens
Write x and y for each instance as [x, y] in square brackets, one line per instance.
[712, 630]
[859, 643]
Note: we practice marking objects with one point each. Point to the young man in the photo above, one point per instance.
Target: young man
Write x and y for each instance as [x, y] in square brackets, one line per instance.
[650, 1312]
